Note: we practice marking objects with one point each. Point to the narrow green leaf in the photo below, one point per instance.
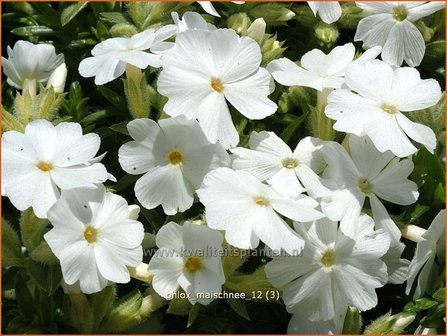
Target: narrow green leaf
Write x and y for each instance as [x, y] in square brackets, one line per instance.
[71, 11]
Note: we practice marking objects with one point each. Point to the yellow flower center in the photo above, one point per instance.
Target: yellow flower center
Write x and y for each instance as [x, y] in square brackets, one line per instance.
[329, 258]
[193, 263]
[91, 234]
[45, 166]
[175, 157]
[400, 13]
[261, 201]
[216, 84]
[290, 163]
[364, 186]
[391, 109]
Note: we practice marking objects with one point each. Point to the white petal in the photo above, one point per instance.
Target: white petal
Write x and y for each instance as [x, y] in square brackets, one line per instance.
[215, 119]
[423, 260]
[303, 288]
[329, 12]
[42, 135]
[386, 134]
[308, 151]
[165, 186]
[340, 168]
[74, 259]
[166, 268]
[249, 95]
[140, 59]
[125, 234]
[45, 194]
[428, 8]
[301, 210]
[78, 177]
[397, 268]
[311, 181]
[208, 7]
[374, 30]
[285, 182]
[109, 264]
[198, 237]
[418, 132]
[343, 107]
[72, 147]
[392, 183]
[275, 233]
[259, 164]
[282, 270]
[436, 230]
[170, 236]
[411, 93]
[178, 129]
[270, 143]
[405, 42]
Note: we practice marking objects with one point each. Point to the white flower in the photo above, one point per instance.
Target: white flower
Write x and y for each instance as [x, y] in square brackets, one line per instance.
[33, 62]
[47, 157]
[333, 272]
[205, 69]
[237, 202]
[397, 267]
[209, 8]
[376, 109]
[94, 238]
[111, 56]
[366, 173]
[189, 257]
[329, 12]
[271, 160]
[174, 156]
[191, 20]
[318, 70]
[390, 25]
[423, 266]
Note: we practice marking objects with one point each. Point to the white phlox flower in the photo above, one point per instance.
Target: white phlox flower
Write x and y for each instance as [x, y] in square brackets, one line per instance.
[35, 164]
[30, 62]
[174, 156]
[366, 173]
[110, 57]
[333, 272]
[391, 26]
[329, 11]
[248, 211]
[318, 70]
[189, 256]
[208, 68]
[94, 237]
[209, 8]
[423, 268]
[382, 95]
[270, 159]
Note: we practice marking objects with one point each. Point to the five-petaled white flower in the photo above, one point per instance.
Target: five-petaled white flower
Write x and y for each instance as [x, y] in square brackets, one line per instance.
[189, 256]
[30, 62]
[111, 56]
[174, 156]
[318, 70]
[95, 236]
[375, 108]
[423, 266]
[271, 160]
[205, 69]
[390, 25]
[247, 209]
[329, 11]
[333, 272]
[366, 173]
[47, 157]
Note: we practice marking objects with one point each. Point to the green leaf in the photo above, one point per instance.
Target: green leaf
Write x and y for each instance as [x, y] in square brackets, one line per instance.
[179, 306]
[32, 229]
[11, 247]
[240, 307]
[439, 295]
[42, 253]
[114, 17]
[24, 298]
[33, 31]
[95, 117]
[46, 277]
[418, 211]
[120, 127]
[193, 314]
[71, 11]
[102, 303]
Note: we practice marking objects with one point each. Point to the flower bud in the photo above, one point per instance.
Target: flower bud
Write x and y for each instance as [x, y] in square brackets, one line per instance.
[327, 34]
[271, 49]
[257, 30]
[390, 324]
[57, 78]
[272, 13]
[240, 22]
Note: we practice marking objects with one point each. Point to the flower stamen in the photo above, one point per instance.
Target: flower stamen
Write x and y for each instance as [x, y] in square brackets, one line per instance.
[175, 157]
[91, 234]
[217, 86]
[364, 186]
[45, 166]
[391, 109]
[290, 163]
[329, 258]
[261, 201]
[193, 264]
[400, 13]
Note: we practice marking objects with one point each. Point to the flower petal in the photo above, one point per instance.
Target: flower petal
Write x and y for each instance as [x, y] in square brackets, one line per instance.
[418, 132]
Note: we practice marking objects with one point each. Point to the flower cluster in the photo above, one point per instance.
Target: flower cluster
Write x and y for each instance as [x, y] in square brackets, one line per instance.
[324, 203]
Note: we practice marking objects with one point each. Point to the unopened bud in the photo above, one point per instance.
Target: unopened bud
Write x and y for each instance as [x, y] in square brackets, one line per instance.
[326, 33]
[257, 30]
[57, 78]
[272, 13]
[240, 22]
